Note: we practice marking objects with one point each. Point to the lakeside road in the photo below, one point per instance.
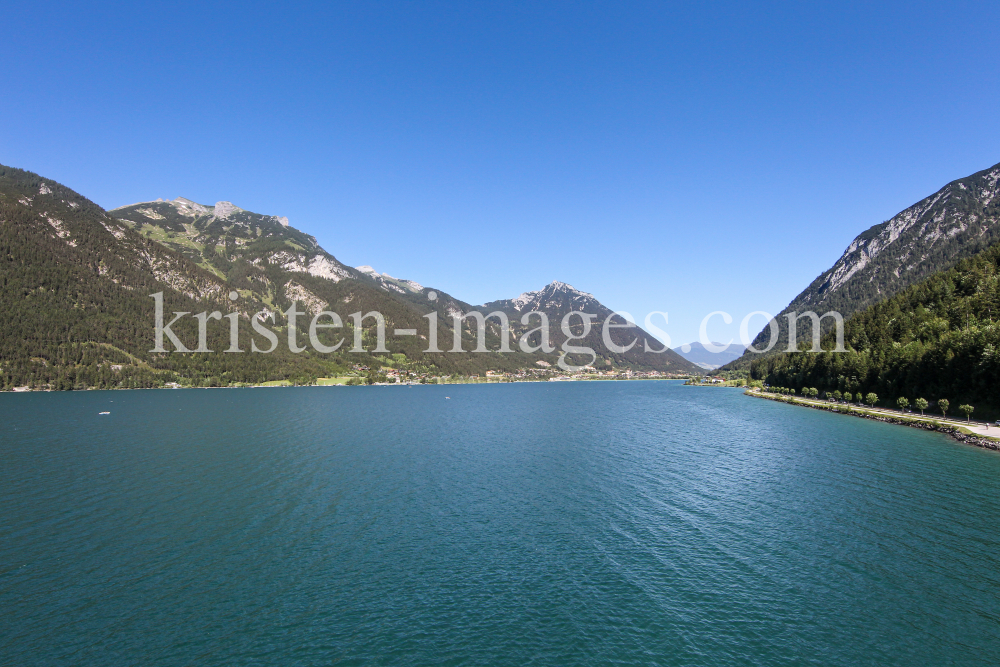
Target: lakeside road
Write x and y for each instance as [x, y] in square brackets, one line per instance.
[977, 428]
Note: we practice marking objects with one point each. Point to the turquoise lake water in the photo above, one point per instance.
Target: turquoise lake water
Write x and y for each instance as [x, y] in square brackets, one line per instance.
[626, 523]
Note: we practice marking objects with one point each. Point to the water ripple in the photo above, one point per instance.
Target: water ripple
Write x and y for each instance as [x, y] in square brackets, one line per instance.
[537, 524]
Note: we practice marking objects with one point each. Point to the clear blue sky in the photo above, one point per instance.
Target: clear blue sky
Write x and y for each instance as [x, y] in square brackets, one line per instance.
[663, 157]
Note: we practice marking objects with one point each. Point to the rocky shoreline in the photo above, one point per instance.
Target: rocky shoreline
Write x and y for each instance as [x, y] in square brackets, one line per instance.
[974, 440]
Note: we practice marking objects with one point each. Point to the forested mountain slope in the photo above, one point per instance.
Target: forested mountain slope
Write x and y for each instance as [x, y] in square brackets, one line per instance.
[263, 252]
[75, 283]
[937, 339]
[958, 221]
[557, 299]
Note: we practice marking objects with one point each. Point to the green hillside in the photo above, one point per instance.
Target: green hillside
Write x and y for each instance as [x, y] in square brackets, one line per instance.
[937, 339]
[958, 221]
[263, 254]
[75, 284]
[557, 299]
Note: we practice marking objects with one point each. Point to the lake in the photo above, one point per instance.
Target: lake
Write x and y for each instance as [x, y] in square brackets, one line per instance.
[561, 523]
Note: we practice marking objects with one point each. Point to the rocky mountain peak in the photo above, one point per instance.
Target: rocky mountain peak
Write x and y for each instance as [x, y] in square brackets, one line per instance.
[390, 283]
[188, 207]
[958, 221]
[556, 291]
[224, 209]
[558, 286]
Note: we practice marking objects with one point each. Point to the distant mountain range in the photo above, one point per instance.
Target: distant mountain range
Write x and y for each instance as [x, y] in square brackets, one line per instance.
[956, 222]
[700, 356]
[76, 280]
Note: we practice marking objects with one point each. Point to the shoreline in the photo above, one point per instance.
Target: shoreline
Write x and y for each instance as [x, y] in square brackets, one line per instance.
[984, 442]
[22, 390]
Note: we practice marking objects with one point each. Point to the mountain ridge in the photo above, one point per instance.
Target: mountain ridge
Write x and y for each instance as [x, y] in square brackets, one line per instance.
[958, 221]
[556, 299]
[78, 280]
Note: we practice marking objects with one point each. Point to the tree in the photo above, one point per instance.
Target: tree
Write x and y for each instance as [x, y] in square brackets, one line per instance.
[848, 397]
[947, 313]
[903, 403]
[837, 395]
[966, 410]
[920, 404]
[871, 399]
[943, 405]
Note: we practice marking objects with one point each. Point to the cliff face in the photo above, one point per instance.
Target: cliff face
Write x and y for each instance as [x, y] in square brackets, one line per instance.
[958, 221]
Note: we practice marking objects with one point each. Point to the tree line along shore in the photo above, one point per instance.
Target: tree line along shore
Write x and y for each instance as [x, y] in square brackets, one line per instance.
[969, 432]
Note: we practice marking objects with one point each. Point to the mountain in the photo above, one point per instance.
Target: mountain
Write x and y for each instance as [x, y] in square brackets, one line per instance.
[958, 221]
[557, 299]
[76, 281]
[237, 244]
[697, 354]
[388, 282]
[225, 239]
[939, 338]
